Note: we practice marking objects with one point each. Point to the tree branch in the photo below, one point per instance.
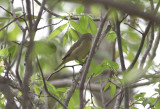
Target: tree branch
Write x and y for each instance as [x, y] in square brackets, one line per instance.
[86, 67]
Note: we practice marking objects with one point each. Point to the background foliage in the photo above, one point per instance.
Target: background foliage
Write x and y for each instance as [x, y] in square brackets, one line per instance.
[34, 36]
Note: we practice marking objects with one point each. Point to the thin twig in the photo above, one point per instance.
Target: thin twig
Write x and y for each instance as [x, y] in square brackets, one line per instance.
[14, 15]
[134, 28]
[153, 54]
[57, 15]
[140, 46]
[6, 11]
[19, 58]
[39, 14]
[150, 41]
[11, 22]
[59, 70]
[45, 86]
[123, 18]
[113, 98]
[150, 107]
[87, 84]
[50, 25]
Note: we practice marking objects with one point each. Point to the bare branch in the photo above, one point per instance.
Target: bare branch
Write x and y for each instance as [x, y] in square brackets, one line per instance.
[86, 67]
[134, 28]
[128, 8]
[16, 18]
[45, 86]
[14, 15]
[50, 25]
[57, 15]
[39, 14]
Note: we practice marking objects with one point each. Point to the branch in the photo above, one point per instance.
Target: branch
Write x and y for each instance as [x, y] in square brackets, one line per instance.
[39, 14]
[134, 28]
[14, 15]
[6, 91]
[151, 38]
[140, 47]
[6, 11]
[72, 89]
[57, 15]
[150, 107]
[19, 58]
[50, 25]
[128, 8]
[28, 8]
[113, 98]
[143, 38]
[45, 86]
[120, 45]
[155, 46]
[86, 67]
[16, 18]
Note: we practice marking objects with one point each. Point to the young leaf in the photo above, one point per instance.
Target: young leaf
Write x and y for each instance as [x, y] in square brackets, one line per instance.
[83, 21]
[113, 64]
[80, 9]
[65, 38]
[57, 31]
[74, 34]
[124, 45]
[51, 88]
[77, 27]
[112, 90]
[4, 52]
[111, 36]
[93, 26]
[107, 86]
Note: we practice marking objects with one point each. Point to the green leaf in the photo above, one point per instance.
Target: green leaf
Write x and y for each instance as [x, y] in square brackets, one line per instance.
[92, 26]
[45, 47]
[77, 27]
[65, 38]
[52, 89]
[74, 101]
[124, 45]
[36, 89]
[112, 90]
[83, 21]
[80, 9]
[111, 36]
[4, 53]
[74, 34]
[98, 69]
[57, 31]
[113, 64]
[140, 95]
[13, 50]
[107, 86]
[145, 102]
[61, 90]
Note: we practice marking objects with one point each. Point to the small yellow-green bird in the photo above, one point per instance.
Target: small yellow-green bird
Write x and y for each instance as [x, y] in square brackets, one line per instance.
[78, 50]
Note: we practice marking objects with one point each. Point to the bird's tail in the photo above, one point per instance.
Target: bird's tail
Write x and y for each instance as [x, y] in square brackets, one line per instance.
[59, 66]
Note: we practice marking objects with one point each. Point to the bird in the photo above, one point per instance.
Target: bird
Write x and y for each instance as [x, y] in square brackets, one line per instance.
[78, 50]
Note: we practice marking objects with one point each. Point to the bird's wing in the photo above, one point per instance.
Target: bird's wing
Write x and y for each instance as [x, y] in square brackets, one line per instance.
[76, 44]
